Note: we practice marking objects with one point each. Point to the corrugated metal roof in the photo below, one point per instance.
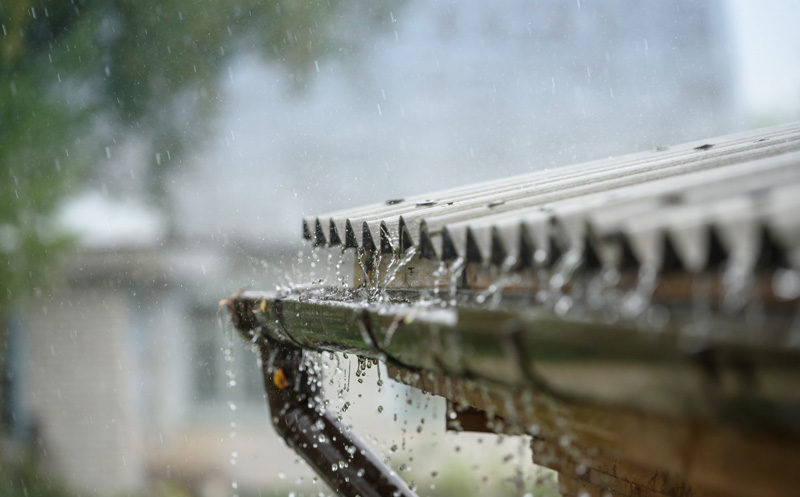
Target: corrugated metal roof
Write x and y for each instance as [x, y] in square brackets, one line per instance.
[688, 206]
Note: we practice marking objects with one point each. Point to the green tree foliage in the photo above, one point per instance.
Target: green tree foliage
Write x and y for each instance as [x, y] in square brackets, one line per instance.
[78, 76]
[22, 479]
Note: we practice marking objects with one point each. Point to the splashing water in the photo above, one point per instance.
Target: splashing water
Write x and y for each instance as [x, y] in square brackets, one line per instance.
[737, 288]
[438, 279]
[502, 278]
[396, 265]
[361, 258]
[634, 302]
[455, 269]
[230, 374]
[341, 279]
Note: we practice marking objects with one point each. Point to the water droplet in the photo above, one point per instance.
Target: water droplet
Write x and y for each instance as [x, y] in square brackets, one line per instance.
[657, 316]
[563, 305]
[786, 284]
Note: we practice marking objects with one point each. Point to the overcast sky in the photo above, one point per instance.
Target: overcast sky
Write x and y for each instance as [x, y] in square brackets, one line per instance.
[767, 49]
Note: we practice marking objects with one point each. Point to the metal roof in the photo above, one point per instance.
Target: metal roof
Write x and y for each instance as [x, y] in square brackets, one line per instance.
[682, 207]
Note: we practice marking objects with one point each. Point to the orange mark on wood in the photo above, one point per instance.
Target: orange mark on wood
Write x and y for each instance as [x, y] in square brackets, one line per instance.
[262, 307]
[279, 379]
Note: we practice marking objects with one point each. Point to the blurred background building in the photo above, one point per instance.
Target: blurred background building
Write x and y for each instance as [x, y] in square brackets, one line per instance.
[116, 372]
